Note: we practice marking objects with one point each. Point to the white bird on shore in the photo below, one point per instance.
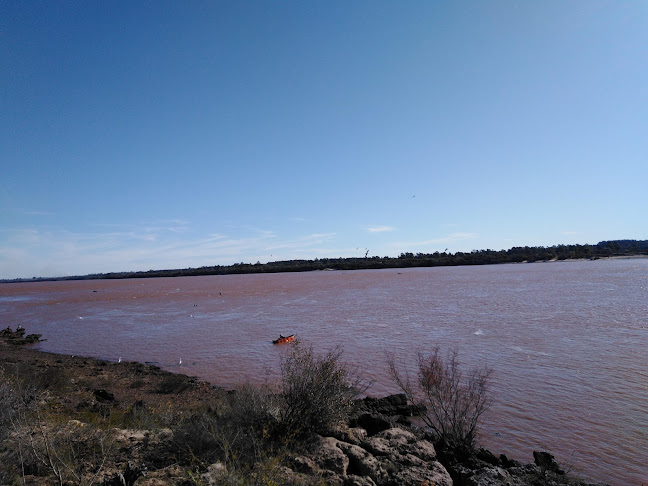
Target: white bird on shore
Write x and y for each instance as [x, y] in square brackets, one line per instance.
[119, 360]
[180, 362]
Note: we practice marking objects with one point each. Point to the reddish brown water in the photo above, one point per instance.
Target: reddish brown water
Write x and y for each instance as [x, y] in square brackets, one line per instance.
[568, 340]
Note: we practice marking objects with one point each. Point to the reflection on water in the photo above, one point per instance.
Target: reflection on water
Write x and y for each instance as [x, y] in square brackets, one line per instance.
[567, 340]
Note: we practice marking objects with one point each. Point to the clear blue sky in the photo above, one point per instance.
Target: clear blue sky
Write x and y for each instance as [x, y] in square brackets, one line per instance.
[150, 135]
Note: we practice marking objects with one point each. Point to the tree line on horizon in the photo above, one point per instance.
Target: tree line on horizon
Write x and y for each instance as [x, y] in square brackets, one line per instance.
[518, 254]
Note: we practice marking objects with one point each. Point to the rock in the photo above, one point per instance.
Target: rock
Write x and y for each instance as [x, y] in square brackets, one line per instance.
[362, 463]
[352, 435]
[488, 457]
[173, 474]
[391, 405]
[388, 442]
[214, 474]
[104, 395]
[18, 337]
[31, 338]
[422, 449]
[353, 480]
[129, 436]
[507, 463]
[304, 464]
[489, 476]
[547, 462]
[433, 474]
[373, 423]
[131, 473]
[397, 436]
[378, 446]
[327, 455]
[392, 457]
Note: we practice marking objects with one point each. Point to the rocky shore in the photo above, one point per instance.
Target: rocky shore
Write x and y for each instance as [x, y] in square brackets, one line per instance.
[147, 413]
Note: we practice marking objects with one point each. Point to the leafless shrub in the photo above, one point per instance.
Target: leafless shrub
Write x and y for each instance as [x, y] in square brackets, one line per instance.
[317, 390]
[236, 430]
[10, 405]
[254, 408]
[450, 404]
[68, 450]
[197, 438]
[73, 452]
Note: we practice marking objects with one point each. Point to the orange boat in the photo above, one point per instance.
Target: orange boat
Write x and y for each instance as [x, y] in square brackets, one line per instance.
[284, 339]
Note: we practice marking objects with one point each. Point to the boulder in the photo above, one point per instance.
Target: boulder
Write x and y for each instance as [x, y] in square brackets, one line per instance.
[328, 455]
[547, 462]
[391, 405]
[362, 463]
[304, 464]
[507, 463]
[132, 472]
[489, 476]
[488, 457]
[432, 474]
[422, 449]
[353, 480]
[352, 435]
[373, 423]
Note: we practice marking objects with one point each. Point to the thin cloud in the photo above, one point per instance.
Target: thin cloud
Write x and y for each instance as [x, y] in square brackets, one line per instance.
[445, 240]
[157, 226]
[380, 229]
[303, 243]
[30, 252]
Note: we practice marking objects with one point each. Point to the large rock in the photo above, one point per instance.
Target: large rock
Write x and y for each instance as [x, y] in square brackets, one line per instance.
[392, 457]
[547, 462]
[432, 474]
[490, 476]
[391, 405]
[388, 442]
[373, 423]
[362, 463]
[353, 480]
[328, 455]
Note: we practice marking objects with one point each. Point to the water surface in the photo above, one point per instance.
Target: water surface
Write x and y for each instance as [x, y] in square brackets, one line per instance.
[567, 340]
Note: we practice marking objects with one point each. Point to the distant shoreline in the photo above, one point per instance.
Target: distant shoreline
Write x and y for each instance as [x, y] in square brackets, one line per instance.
[602, 250]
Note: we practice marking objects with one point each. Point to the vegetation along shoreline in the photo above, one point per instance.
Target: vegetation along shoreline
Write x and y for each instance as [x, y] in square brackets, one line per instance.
[525, 254]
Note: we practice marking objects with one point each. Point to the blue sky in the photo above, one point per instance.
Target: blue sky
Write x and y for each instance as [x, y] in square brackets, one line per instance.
[150, 135]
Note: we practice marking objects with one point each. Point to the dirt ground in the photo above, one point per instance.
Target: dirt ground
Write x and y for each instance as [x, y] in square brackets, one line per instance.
[87, 380]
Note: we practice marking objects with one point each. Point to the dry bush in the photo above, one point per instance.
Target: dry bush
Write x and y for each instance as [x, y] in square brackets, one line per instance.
[448, 402]
[318, 391]
[73, 452]
[44, 444]
[237, 430]
[197, 439]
